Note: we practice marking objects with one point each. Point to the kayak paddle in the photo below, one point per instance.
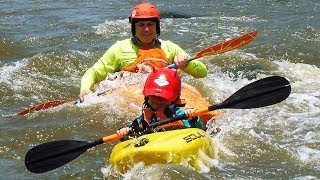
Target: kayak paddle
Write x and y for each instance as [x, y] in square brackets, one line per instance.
[224, 46]
[215, 49]
[49, 104]
[264, 92]
[45, 105]
[51, 155]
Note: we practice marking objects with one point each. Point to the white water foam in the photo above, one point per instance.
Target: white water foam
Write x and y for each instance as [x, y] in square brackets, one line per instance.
[7, 73]
[309, 156]
[118, 28]
[290, 127]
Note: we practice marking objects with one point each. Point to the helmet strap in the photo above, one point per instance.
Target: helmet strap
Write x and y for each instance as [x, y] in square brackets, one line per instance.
[174, 102]
[139, 41]
[147, 104]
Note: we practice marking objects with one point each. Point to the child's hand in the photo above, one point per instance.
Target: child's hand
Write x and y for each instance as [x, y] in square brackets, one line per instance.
[123, 131]
[190, 112]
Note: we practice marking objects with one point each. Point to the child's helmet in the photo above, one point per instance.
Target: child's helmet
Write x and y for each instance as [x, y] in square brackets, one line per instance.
[163, 82]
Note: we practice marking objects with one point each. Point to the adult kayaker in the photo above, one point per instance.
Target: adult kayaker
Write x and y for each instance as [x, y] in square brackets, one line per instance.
[162, 101]
[138, 53]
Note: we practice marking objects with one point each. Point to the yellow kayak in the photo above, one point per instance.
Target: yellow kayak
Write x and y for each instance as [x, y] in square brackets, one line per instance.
[183, 146]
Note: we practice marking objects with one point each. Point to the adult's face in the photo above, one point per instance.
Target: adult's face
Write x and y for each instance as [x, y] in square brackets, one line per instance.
[146, 31]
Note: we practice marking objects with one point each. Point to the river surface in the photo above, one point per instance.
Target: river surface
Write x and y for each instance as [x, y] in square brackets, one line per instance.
[46, 46]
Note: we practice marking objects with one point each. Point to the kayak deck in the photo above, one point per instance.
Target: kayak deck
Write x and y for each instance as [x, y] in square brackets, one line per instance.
[183, 146]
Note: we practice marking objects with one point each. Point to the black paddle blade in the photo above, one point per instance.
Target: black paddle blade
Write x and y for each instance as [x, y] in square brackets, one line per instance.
[264, 92]
[51, 155]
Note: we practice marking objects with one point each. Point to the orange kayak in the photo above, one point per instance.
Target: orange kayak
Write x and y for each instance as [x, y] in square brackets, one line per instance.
[130, 90]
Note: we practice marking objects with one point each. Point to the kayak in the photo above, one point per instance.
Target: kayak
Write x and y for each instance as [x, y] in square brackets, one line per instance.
[183, 146]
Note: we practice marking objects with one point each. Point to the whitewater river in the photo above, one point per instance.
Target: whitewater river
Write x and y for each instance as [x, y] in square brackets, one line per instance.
[46, 46]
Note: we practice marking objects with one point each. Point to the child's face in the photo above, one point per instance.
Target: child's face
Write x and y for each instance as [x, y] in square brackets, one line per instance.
[158, 102]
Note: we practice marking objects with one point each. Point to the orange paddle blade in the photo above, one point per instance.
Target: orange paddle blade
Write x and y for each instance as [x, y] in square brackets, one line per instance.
[228, 45]
[45, 105]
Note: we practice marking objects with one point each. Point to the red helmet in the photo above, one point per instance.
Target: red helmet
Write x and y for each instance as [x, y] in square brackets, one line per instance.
[144, 11]
[163, 82]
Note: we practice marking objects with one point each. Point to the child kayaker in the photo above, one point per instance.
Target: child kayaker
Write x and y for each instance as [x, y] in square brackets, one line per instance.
[162, 101]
